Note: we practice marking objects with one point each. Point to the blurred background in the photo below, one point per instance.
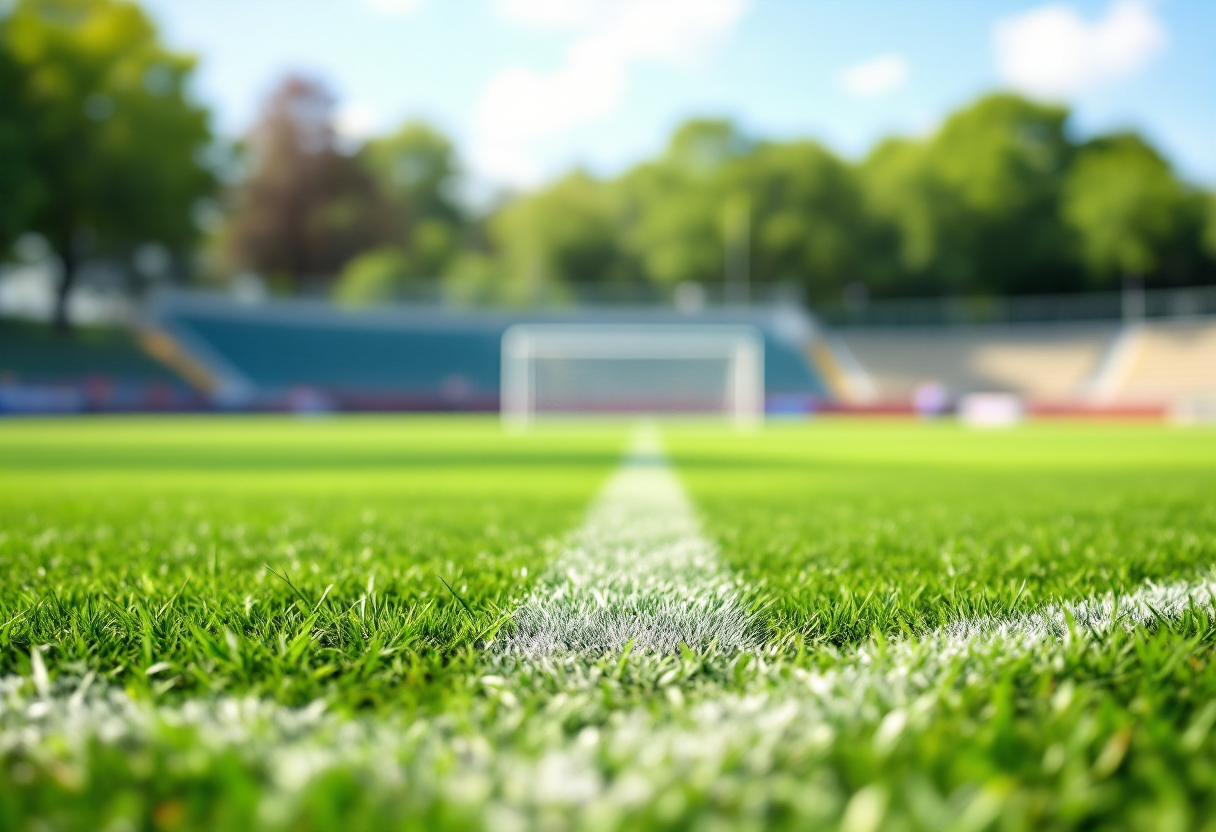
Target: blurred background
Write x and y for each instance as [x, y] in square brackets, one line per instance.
[320, 205]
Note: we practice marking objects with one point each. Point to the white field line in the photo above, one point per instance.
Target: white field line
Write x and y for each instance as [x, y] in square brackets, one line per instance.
[639, 571]
[511, 762]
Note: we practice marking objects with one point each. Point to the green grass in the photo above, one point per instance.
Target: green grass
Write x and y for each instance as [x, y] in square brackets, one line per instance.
[128, 544]
[890, 528]
[273, 623]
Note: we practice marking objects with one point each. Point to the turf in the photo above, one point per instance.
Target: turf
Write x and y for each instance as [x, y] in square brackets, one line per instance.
[268, 623]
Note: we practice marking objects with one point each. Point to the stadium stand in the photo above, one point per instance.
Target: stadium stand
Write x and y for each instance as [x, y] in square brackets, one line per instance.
[198, 351]
[1144, 367]
[1041, 362]
[35, 353]
[1168, 361]
[288, 353]
[88, 368]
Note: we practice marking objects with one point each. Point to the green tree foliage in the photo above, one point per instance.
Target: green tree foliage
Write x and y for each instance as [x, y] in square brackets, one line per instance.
[798, 205]
[306, 209]
[1208, 202]
[673, 208]
[908, 206]
[999, 200]
[376, 276]
[416, 167]
[808, 223]
[974, 207]
[18, 182]
[801, 208]
[101, 151]
[566, 233]
[1125, 205]
[114, 146]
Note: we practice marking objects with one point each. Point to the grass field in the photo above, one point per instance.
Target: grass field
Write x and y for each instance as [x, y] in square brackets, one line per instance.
[424, 624]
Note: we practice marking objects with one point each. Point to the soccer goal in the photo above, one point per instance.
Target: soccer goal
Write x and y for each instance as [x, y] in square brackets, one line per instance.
[559, 369]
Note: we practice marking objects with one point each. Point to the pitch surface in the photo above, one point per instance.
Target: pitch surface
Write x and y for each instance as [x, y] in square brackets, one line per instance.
[423, 623]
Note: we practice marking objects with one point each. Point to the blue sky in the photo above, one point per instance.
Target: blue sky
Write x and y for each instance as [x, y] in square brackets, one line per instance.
[530, 88]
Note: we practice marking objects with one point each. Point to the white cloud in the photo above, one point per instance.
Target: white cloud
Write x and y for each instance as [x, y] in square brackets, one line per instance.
[521, 108]
[876, 76]
[393, 7]
[1052, 52]
[551, 14]
[354, 122]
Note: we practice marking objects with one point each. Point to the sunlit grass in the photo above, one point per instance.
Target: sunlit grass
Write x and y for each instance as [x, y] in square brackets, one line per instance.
[164, 571]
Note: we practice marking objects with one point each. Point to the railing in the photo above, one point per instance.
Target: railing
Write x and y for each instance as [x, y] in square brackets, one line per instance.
[687, 296]
[1130, 305]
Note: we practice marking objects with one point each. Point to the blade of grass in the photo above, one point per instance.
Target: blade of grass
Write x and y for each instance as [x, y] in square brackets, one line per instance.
[456, 595]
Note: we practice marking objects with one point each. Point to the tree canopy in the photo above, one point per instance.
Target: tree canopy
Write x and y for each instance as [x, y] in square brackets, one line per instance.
[112, 145]
[419, 173]
[306, 208]
[103, 151]
[998, 200]
[18, 182]
[1124, 204]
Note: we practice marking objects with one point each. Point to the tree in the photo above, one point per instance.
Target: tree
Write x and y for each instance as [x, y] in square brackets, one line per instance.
[416, 168]
[18, 182]
[808, 223]
[975, 207]
[1004, 159]
[669, 220]
[1209, 229]
[672, 209]
[700, 147]
[114, 142]
[798, 207]
[564, 234]
[1124, 204]
[306, 208]
[912, 212]
[998, 201]
[376, 276]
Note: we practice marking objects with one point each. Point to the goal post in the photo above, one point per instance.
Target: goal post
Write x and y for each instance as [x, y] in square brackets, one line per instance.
[569, 369]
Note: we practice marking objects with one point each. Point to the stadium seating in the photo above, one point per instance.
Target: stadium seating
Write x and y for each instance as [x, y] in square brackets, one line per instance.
[1040, 362]
[86, 369]
[1168, 361]
[33, 353]
[289, 353]
[416, 358]
[1155, 363]
[422, 362]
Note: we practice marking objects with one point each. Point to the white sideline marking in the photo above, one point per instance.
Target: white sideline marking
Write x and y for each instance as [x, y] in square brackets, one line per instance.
[638, 570]
[1098, 613]
[479, 763]
[908, 668]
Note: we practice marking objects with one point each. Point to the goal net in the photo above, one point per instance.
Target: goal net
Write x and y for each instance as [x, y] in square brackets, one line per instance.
[551, 369]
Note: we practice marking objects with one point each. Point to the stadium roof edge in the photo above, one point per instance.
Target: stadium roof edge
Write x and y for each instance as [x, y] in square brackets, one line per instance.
[323, 313]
